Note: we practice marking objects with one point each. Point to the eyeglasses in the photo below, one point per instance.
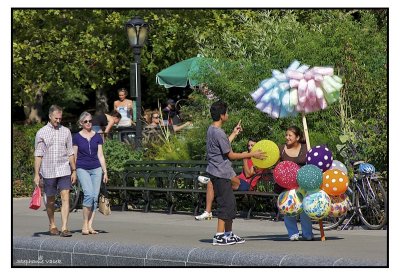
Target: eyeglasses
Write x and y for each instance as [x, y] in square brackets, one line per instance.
[87, 121]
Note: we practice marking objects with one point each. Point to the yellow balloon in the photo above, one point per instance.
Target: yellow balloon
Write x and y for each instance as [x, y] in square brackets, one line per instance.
[271, 151]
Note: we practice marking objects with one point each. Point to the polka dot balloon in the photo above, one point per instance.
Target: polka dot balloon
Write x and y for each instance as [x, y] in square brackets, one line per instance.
[338, 165]
[285, 174]
[334, 182]
[317, 205]
[320, 156]
[309, 177]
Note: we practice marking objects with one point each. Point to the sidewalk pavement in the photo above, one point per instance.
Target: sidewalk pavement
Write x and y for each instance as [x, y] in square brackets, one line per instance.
[182, 230]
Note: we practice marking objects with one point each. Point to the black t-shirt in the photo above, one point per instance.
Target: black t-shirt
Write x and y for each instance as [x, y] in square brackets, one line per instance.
[100, 120]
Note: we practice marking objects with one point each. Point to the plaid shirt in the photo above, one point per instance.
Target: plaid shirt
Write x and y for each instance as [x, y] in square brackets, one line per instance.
[55, 146]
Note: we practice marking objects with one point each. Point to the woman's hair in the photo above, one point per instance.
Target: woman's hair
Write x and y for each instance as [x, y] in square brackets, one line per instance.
[83, 115]
[217, 109]
[115, 113]
[123, 90]
[297, 131]
[252, 139]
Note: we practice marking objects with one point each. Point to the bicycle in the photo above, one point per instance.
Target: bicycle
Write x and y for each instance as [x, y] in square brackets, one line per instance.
[368, 200]
[74, 196]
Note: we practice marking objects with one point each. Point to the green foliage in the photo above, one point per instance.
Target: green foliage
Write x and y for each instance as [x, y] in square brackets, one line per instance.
[117, 154]
[253, 44]
[23, 160]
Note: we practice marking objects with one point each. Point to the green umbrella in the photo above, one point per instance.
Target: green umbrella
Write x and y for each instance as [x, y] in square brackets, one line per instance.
[180, 74]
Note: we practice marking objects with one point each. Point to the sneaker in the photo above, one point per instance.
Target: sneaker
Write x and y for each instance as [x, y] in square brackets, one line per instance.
[308, 238]
[205, 216]
[203, 179]
[294, 237]
[223, 240]
[237, 238]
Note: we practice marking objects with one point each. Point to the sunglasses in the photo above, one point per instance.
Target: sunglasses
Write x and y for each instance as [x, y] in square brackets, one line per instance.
[156, 117]
[87, 121]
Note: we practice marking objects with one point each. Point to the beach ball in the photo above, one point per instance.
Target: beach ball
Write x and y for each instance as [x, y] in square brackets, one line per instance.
[317, 205]
[285, 174]
[334, 182]
[339, 205]
[290, 203]
[320, 156]
[309, 177]
[338, 165]
[271, 151]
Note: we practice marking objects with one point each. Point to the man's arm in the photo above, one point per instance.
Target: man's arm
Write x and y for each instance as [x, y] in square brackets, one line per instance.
[72, 163]
[38, 163]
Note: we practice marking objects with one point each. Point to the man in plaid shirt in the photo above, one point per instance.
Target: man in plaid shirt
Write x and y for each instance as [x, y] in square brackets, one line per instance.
[54, 160]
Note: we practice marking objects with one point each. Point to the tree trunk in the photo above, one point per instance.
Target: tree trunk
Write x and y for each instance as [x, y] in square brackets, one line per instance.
[33, 111]
[101, 101]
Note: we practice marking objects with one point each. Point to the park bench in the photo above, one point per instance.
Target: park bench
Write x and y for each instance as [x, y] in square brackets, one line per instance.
[171, 180]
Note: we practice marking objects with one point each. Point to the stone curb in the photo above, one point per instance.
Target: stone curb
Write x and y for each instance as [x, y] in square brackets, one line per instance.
[32, 252]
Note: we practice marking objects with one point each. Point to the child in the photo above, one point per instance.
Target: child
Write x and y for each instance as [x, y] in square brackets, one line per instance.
[242, 182]
[219, 154]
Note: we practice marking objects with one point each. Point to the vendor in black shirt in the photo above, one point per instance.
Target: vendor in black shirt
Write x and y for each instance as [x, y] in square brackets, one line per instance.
[102, 123]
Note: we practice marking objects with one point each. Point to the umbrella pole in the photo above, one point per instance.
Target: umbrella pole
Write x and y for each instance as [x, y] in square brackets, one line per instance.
[303, 115]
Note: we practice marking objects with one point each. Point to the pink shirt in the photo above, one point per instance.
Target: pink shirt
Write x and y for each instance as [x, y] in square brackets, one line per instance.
[55, 146]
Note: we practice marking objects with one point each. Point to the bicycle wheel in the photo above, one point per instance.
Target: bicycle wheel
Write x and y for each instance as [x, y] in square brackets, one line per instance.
[372, 203]
[74, 195]
[329, 223]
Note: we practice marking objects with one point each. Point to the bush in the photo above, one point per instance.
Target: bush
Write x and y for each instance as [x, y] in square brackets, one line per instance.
[23, 146]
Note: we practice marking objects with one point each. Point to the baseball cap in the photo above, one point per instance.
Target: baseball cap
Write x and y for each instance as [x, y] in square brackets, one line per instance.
[170, 101]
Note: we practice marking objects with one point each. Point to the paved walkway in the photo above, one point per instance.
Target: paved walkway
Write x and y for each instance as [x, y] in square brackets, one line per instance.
[133, 227]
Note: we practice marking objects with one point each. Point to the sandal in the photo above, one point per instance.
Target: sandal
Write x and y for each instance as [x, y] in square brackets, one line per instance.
[65, 233]
[54, 231]
[92, 231]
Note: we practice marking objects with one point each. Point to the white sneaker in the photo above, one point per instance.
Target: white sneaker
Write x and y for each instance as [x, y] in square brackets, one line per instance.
[205, 216]
[203, 179]
[294, 237]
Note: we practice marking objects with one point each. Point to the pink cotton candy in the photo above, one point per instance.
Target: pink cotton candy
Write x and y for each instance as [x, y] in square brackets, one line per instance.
[291, 74]
[322, 102]
[293, 83]
[308, 75]
[319, 93]
[318, 78]
[327, 71]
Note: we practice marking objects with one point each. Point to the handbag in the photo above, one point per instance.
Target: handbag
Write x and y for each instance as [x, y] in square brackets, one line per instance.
[104, 203]
[36, 200]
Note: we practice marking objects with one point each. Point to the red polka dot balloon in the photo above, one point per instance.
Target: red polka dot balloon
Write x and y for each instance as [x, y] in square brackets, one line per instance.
[320, 156]
[285, 174]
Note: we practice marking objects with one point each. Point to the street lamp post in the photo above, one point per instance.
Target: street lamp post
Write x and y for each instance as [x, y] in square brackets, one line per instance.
[137, 31]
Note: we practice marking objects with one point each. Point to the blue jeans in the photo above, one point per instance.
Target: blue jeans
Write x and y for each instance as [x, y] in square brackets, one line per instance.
[90, 182]
[291, 225]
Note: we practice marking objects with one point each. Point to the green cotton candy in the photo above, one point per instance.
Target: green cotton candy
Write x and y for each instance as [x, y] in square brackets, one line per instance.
[331, 97]
[337, 79]
[333, 83]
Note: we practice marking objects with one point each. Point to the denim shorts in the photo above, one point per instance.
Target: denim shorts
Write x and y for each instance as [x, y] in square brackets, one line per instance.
[53, 185]
[244, 186]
